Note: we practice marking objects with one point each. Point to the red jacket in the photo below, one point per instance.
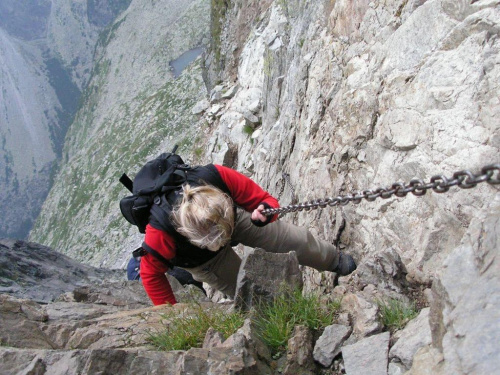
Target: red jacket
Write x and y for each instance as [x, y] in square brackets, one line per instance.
[244, 192]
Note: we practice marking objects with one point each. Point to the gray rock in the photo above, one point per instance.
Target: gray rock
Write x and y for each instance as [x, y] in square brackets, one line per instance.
[200, 107]
[74, 362]
[129, 294]
[77, 311]
[230, 92]
[264, 275]
[415, 335]
[251, 120]
[465, 309]
[212, 339]
[396, 369]
[216, 94]
[300, 352]
[70, 325]
[330, 342]
[385, 269]
[19, 329]
[367, 356]
[41, 274]
[428, 361]
[247, 332]
[364, 314]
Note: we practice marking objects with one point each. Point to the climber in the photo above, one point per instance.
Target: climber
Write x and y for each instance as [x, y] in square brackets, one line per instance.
[207, 223]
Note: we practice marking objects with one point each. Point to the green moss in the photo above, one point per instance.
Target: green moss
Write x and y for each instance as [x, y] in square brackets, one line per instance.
[268, 63]
[217, 18]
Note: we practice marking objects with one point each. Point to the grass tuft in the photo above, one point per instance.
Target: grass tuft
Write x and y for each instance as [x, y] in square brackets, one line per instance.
[188, 329]
[394, 314]
[248, 130]
[275, 321]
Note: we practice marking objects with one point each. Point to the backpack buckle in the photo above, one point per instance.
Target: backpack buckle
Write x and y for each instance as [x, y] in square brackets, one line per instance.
[157, 200]
[183, 167]
[139, 252]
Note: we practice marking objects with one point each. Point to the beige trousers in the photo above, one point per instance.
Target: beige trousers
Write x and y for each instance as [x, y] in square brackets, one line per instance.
[221, 272]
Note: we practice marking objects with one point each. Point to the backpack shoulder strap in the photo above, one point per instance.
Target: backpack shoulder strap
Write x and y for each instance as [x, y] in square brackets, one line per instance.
[208, 174]
[157, 255]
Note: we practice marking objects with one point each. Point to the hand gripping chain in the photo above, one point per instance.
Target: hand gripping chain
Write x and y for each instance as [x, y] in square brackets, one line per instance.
[439, 184]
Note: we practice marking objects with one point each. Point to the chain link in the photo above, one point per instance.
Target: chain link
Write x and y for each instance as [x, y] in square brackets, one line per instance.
[286, 179]
[464, 179]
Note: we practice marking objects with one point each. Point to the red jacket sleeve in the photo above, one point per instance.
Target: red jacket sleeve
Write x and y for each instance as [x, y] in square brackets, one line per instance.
[245, 192]
[152, 273]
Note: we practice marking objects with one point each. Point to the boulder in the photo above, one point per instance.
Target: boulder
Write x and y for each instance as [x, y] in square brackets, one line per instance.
[364, 314]
[415, 335]
[264, 275]
[367, 356]
[329, 343]
[300, 353]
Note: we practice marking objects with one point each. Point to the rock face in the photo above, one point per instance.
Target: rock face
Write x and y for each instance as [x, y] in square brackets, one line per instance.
[24, 266]
[464, 314]
[99, 325]
[359, 96]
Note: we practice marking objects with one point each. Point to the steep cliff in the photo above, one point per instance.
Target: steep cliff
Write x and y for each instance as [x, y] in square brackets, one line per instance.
[347, 96]
[133, 109]
[46, 52]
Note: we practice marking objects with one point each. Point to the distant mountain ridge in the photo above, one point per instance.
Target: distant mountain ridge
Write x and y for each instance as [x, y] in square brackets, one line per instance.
[46, 52]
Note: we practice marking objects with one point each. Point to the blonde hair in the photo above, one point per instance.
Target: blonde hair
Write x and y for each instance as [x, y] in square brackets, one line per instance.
[205, 216]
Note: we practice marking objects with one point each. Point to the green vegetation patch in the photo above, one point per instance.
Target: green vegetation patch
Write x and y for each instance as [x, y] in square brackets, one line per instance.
[275, 321]
[188, 329]
[395, 314]
[218, 14]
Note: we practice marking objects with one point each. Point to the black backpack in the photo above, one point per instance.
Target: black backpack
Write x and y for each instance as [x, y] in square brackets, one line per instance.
[156, 189]
[158, 177]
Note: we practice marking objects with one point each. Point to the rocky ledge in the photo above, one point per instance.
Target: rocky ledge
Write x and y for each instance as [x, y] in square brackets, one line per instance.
[61, 317]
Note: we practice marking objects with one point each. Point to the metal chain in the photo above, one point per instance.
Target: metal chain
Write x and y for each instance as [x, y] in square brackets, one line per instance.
[286, 179]
[286, 176]
[464, 179]
[283, 183]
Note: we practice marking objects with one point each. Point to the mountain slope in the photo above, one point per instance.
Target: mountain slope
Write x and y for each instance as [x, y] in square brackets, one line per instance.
[132, 110]
[46, 51]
